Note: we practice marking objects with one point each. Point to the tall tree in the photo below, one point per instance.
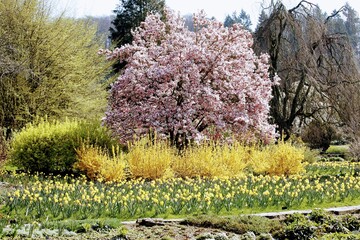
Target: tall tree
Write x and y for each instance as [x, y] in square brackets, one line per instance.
[243, 18]
[129, 15]
[190, 85]
[47, 65]
[311, 62]
[352, 26]
[262, 18]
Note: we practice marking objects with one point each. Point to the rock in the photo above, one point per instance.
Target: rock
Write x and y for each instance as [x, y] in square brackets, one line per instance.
[265, 236]
[235, 237]
[248, 236]
[221, 236]
[205, 236]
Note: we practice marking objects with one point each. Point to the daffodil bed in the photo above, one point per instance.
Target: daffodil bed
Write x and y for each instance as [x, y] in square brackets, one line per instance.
[39, 197]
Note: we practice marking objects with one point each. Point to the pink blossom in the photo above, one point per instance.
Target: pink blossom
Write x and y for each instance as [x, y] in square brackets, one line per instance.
[182, 82]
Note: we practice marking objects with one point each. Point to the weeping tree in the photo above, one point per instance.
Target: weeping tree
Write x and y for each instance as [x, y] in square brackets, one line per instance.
[315, 65]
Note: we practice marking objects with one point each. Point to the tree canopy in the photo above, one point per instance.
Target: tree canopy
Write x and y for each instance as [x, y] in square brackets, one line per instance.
[190, 85]
[314, 63]
[48, 65]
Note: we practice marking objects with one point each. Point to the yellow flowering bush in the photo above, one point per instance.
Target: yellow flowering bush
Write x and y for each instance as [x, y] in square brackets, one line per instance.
[97, 164]
[150, 158]
[212, 160]
[280, 159]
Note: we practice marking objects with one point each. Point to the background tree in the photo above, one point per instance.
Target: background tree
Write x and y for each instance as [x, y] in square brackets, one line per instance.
[129, 15]
[103, 25]
[189, 23]
[352, 27]
[262, 18]
[190, 85]
[311, 61]
[47, 65]
[243, 18]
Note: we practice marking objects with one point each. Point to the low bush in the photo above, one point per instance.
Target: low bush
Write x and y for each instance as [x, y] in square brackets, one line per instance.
[318, 135]
[97, 164]
[50, 146]
[338, 149]
[280, 159]
[311, 155]
[150, 158]
[212, 159]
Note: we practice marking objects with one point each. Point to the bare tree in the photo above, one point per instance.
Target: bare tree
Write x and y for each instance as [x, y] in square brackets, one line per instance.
[313, 64]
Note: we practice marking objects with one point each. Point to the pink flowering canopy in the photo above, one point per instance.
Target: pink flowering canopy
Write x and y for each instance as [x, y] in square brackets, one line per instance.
[191, 85]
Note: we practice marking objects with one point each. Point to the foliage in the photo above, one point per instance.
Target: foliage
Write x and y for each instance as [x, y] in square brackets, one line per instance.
[319, 216]
[311, 155]
[189, 85]
[299, 230]
[48, 66]
[150, 158]
[78, 225]
[99, 165]
[50, 146]
[280, 159]
[338, 149]
[318, 135]
[238, 224]
[351, 222]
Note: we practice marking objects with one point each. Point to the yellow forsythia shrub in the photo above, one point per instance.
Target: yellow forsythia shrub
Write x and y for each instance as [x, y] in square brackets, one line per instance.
[150, 158]
[235, 158]
[212, 160]
[97, 164]
[280, 159]
[198, 161]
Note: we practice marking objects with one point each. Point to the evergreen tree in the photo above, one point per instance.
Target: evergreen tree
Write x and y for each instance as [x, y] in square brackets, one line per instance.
[129, 15]
[352, 26]
[243, 18]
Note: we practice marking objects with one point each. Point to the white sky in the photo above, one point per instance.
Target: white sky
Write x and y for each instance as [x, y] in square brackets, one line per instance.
[217, 8]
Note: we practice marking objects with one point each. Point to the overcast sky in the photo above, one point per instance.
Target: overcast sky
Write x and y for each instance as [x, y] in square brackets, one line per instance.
[217, 8]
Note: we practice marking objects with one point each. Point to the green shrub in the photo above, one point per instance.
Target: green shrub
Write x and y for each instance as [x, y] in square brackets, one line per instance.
[338, 149]
[319, 216]
[311, 155]
[51, 146]
[351, 222]
[298, 227]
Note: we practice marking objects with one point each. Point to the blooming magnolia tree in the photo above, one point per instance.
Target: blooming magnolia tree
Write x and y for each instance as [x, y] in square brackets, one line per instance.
[190, 85]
